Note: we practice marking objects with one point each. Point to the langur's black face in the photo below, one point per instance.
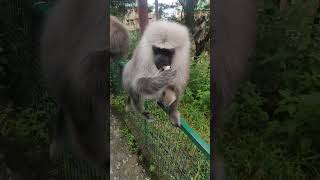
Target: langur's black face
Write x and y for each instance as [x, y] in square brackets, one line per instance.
[162, 57]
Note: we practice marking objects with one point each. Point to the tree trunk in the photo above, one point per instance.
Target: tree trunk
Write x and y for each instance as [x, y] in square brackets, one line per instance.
[283, 4]
[201, 45]
[143, 14]
[189, 13]
[156, 4]
[200, 37]
[234, 42]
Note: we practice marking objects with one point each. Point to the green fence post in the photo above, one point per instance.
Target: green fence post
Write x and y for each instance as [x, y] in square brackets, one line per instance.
[195, 137]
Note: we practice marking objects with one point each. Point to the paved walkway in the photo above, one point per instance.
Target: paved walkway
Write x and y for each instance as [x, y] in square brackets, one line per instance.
[124, 165]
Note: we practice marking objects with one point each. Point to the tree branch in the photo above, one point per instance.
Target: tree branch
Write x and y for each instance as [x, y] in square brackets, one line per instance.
[183, 3]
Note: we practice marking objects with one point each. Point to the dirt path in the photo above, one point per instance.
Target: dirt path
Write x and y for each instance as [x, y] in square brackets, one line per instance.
[124, 165]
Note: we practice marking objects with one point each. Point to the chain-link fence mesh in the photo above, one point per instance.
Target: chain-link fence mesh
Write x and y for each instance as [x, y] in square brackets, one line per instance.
[20, 30]
[169, 152]
[19, 69]
[66, 166]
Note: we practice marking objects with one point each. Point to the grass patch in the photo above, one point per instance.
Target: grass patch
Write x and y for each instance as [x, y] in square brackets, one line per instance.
[125, 132]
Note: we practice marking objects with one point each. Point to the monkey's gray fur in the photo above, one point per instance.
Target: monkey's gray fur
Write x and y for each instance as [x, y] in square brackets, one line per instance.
[141, 78]
[74, 64]
[119, 40]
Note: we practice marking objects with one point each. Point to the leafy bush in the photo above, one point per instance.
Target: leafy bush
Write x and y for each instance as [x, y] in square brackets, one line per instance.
[195, 103]
[24, 125]
[130, 139]
[273, 126]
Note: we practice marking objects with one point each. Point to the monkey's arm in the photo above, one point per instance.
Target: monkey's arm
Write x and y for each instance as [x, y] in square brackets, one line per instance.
[151, 85]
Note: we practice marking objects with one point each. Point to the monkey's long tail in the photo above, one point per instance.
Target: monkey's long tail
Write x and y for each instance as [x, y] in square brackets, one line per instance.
[151, 85]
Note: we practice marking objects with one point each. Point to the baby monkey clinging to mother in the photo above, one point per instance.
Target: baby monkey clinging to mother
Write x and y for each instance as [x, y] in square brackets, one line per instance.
[159, 68]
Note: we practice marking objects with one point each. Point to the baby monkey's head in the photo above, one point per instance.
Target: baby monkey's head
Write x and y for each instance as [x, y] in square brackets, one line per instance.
[168, 96]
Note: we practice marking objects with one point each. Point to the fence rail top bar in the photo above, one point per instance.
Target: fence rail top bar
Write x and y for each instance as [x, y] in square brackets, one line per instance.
[195, 137]
[42, 7]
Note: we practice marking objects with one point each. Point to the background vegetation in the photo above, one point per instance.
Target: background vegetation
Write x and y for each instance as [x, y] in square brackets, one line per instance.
[273, 127]
[23, 103]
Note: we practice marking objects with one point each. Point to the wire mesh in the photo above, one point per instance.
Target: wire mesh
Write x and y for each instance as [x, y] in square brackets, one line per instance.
[169, 151]
[19, 35]
[17, 56]
[68, 167]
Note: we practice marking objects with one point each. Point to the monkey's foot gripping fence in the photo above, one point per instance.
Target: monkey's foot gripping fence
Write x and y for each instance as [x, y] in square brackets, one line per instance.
[171, 153]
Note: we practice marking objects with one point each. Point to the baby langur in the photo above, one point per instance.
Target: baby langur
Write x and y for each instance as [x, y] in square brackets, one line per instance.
[159, 68]
[168, 96]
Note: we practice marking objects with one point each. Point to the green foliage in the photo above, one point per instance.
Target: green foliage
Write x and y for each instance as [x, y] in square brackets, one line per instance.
[247, 114]
[19, 70]
[134, 40]
[119, 7]
[115, 75]
[273, 128]
[203, 5]
[130, 139]
[24, 125]
[195, 104]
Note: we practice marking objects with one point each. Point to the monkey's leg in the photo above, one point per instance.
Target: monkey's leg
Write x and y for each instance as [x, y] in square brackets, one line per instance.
[174, 114]
[161, 104]
[138, 104]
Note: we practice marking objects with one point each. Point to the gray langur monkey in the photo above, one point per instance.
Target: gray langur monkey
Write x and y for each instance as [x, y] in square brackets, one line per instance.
[74, 64]
[119, 40]
[147, 76]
